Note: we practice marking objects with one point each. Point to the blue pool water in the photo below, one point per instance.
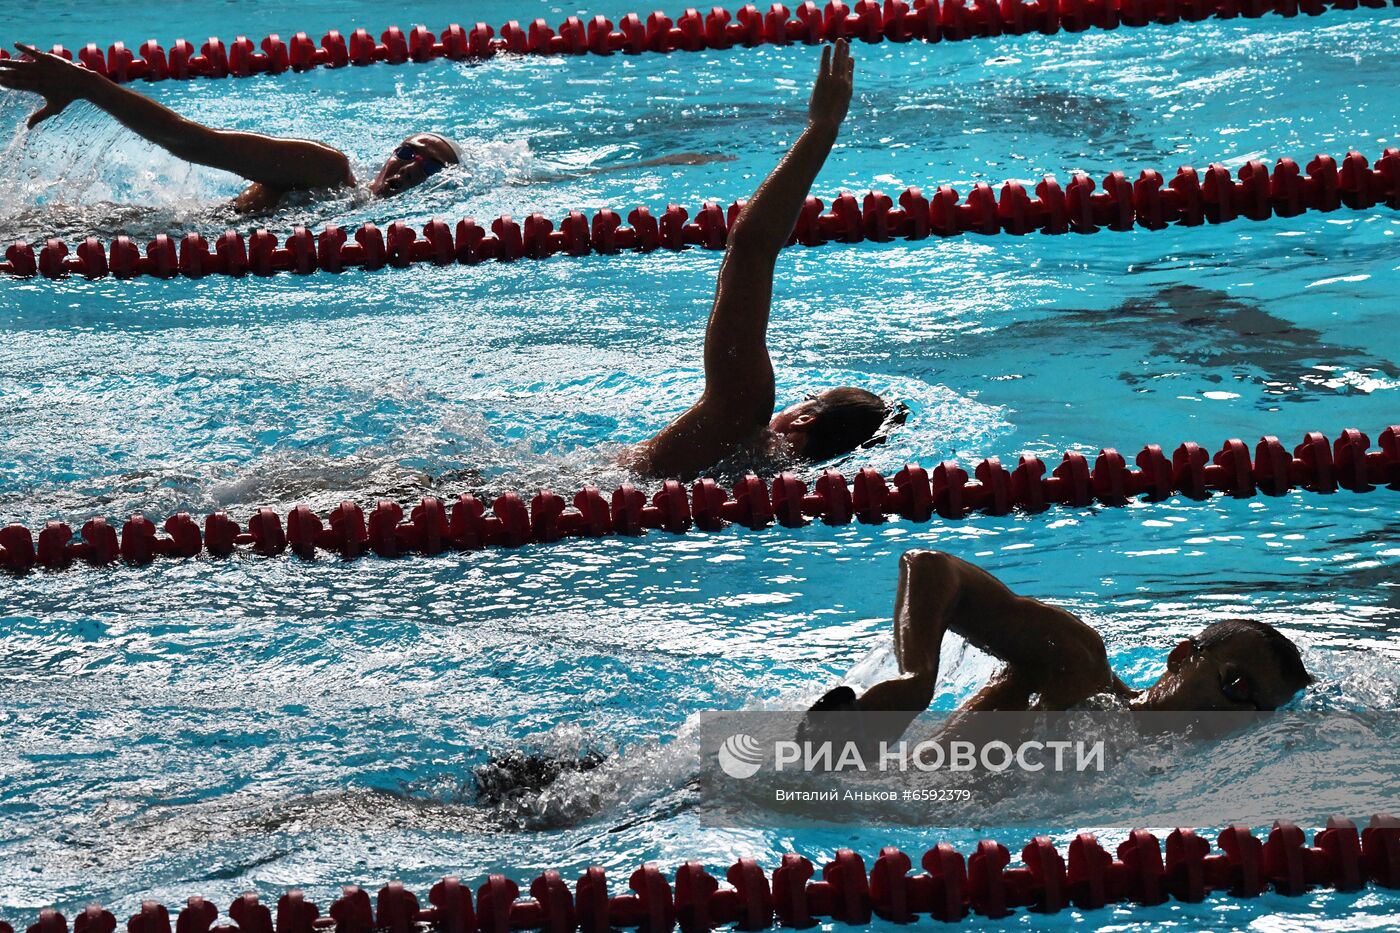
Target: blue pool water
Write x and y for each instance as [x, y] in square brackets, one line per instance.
[207, 727]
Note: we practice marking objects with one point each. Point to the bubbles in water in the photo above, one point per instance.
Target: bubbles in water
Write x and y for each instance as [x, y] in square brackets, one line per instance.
[82, 173]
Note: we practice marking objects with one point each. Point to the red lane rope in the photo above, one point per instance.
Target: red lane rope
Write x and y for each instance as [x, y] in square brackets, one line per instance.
[913, 493]
[950, 888]
[927, 20]
[1188, 200]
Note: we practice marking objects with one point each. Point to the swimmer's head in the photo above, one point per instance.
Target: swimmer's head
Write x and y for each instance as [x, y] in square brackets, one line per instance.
[830, 424]
[1237, 664]
[414, 161]
[817, 729]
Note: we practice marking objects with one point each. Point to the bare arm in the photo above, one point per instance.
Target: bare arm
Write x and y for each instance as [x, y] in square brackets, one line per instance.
[738, 399]
[282, 164]
[1046, 650]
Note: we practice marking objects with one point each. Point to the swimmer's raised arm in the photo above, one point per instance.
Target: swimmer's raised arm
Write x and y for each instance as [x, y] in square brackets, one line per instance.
[737, 402]
[1047, 651]
[766, 223]
[280, 164]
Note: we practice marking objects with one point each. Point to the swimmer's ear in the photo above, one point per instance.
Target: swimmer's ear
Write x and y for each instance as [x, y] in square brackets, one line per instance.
[43, 113]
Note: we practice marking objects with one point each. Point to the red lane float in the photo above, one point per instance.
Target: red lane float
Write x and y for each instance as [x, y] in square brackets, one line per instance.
[692, 31]
[1188, 200]
[433, 525]
[950, 887]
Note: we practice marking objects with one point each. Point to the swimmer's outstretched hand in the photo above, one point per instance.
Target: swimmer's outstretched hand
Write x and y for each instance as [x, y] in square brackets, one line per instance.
[57, 80]
[831, 96]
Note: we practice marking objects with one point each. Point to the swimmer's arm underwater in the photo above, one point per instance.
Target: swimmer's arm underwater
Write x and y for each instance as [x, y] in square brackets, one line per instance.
[279, 164]
[1046, 650]
[676, 158]
[737, 402]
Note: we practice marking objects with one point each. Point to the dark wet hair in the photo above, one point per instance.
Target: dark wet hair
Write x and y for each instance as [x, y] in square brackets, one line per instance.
[843, 419]
[1285, 653]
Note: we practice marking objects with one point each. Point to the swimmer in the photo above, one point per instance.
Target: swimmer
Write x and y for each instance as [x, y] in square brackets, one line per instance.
[1053, 661]
[734, 414]
[509, 776]
[274, 166]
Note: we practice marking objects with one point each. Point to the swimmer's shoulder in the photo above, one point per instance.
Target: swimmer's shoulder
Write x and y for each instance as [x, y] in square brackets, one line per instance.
[1107, 693]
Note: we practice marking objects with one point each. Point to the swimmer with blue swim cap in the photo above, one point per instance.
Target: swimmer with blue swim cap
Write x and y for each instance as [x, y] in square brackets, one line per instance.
[275, 166]
[734, 414]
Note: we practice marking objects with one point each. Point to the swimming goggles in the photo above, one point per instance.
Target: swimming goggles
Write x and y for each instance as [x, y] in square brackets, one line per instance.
[430, 165]
[1234, 686]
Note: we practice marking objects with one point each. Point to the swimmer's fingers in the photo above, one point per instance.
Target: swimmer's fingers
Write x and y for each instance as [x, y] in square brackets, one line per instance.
[23, 76]
[32, 69]
[831, 97]
[18, 81]
[49, 109]
[843, 65]
[31, 51]
[40, 62]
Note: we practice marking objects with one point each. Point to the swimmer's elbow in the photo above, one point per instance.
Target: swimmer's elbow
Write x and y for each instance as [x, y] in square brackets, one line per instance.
[923, 557]
[931, 566]
[338, 170]
[281, 164]
[321, 166]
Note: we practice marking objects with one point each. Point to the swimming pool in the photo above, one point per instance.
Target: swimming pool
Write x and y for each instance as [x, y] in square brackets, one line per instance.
[213, 726]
